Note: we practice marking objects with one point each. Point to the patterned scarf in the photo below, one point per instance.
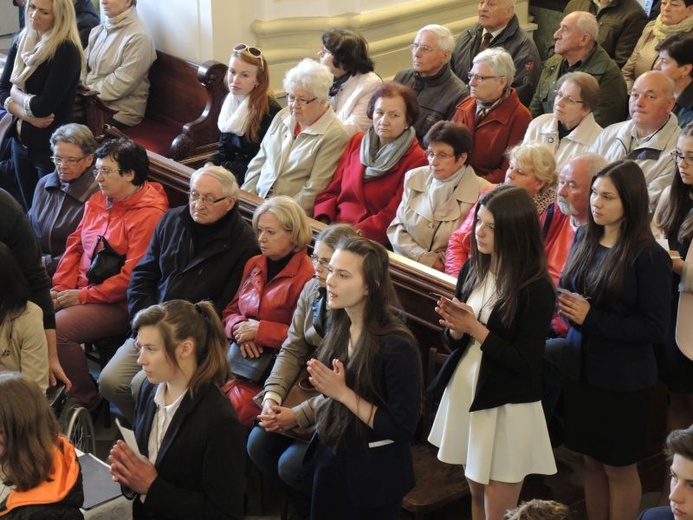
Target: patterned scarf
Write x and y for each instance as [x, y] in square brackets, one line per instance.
[482, 109]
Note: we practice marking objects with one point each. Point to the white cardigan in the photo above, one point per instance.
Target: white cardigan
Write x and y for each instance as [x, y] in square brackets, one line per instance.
[351, 102]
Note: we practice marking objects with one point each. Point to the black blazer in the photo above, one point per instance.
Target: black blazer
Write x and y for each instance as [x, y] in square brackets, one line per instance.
[373, 476]
[512, 361]
[201, 461]
[613, 348]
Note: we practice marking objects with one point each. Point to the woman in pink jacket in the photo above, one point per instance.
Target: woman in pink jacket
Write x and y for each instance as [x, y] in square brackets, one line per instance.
[367, 186]
[124, 212]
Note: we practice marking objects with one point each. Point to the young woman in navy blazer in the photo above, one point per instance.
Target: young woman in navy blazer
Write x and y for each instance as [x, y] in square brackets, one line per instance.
[616, 292]
[192, 444]
[368, 367]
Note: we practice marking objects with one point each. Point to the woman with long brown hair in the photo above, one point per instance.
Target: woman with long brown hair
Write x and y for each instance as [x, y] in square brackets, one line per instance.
[247, 111]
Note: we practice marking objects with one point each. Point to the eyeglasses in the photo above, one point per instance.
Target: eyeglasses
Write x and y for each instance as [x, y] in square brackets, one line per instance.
[569, 99]
[70, 161]
[252, 51]
[678, 157]
[322, 262]
[438, 155]
[479, 78]
[423, 48]
[207, 200]
[291, 99]
[105, 172]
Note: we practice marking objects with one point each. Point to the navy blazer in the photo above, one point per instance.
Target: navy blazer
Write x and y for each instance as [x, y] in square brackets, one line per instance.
[613, 348]
[201, 461]
[382, 474]
[513, 357]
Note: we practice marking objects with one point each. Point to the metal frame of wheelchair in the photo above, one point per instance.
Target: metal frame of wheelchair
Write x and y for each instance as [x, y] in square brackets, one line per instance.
[75, 420]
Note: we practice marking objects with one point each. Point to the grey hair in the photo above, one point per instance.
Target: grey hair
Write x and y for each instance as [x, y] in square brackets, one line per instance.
[500, 62]
[593, 162]
[446, 40]
[229, 186]
[587, 24]
[76, 134]
[310, 75]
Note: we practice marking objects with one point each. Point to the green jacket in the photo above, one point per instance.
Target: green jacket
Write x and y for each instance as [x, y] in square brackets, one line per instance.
[613, 97]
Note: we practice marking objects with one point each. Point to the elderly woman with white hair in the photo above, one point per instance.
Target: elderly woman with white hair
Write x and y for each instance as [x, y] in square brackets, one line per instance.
[493, 113]
[570, 129]
[300, 151]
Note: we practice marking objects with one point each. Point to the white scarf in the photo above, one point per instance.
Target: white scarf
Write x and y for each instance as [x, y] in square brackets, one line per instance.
[31, 52]
[439, 193]
[234, 117]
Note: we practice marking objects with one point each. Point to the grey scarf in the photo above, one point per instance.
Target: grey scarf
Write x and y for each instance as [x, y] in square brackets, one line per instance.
[379, 161]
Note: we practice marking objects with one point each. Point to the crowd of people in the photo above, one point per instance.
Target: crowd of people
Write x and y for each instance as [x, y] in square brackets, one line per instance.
[559, 195]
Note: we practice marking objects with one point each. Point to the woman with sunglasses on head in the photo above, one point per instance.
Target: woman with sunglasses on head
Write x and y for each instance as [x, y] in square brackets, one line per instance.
[119, 55]
[191, 442]
[273, 452]
[247, 112]
[89, 305]
[369, 370]
[368, 182]
[490, 417]
[437, 197]
[346, 54]
[673, 222]
[38, 87]
[615, 292]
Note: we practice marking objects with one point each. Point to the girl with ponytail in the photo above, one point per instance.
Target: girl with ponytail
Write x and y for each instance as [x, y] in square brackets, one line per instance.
[191, 442]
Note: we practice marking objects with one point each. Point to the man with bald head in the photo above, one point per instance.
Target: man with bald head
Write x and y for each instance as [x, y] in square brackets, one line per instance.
[650, 136]
[577, 49]
[437, 88]
[498, 26]
[197, 252]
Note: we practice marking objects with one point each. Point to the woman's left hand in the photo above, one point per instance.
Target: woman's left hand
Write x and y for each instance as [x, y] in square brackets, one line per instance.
[456, 316]
[331, 383]
[68, 298]
[573, 306]
[245, 331]
[131, 470]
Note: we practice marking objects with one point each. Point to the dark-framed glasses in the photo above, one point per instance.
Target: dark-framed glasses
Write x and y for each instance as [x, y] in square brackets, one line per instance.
[207, 200]
[678, 157]
[69, 161]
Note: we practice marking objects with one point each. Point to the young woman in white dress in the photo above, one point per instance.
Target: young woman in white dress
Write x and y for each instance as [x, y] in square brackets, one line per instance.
[490, 417]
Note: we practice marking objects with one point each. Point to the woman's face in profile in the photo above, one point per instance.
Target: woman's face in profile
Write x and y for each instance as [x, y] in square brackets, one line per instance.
[346, 284]
[484, 233]
[153, 357]
[605, 203]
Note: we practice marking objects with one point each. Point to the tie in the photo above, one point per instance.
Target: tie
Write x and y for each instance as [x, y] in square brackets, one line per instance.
[485, 41]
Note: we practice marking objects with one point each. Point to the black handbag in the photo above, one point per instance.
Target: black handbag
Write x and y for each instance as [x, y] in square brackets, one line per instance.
[105, 262]
[253, 369]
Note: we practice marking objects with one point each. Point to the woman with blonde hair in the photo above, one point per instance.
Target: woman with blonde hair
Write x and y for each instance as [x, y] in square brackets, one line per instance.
[38, 87]
[247, 111]
[40, 477]
[186, 430]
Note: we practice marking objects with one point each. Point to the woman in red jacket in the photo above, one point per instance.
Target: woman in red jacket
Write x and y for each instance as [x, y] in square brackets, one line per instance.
[367, 186]
[125, 212]
[493, 113]
[260, 313]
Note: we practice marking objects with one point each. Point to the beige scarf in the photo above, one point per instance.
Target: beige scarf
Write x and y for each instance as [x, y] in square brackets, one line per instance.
[32, 51]
[661, 30]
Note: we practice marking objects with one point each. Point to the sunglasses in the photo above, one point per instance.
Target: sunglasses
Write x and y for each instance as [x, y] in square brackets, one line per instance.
[252, 51]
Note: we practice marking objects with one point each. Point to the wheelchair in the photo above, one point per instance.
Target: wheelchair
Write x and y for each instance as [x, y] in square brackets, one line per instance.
[75, 420]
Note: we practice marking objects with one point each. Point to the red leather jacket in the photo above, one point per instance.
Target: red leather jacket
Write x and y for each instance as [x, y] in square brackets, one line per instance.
[271, 303]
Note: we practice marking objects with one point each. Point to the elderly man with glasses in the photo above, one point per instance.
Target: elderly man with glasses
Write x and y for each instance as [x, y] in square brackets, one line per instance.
[196, 253]
[437, 88]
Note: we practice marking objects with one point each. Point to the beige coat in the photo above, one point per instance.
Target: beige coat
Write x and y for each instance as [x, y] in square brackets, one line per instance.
[298, 166]
[23, 346]
[413, 232]
[351, 102]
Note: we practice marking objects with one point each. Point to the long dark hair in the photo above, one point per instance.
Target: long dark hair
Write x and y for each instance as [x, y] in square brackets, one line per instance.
[14, 289]
[604, 282]
[518, 254]
[178, 320]
[381, 317]
[676, 218]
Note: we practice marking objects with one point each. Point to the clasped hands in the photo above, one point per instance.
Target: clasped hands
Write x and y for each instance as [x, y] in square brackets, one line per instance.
[573, 306]
[276, 418]
[131, 470]
[66, 298]
[457, 316]
[245, 333]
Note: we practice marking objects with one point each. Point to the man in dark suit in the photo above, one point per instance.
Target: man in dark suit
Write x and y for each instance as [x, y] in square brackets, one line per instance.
[679, 450]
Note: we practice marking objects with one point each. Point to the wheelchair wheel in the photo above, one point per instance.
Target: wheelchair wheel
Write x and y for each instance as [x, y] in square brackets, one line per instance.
[78, 426]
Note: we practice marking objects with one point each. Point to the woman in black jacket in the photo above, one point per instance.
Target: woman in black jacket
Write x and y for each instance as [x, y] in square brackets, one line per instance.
[490, 417]
[616, 294]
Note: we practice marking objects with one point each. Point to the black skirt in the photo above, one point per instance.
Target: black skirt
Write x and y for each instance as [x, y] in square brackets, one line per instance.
[611, 427]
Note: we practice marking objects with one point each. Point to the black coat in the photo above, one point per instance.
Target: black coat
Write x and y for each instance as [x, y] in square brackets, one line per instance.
[201, 462]
[172, 268]
[87, 19]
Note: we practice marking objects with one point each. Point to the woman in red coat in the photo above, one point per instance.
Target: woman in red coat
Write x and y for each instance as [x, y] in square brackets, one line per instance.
[260, 313]
[367, 186]
[493, 113]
